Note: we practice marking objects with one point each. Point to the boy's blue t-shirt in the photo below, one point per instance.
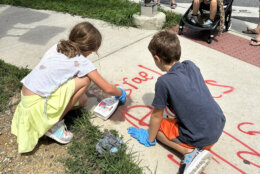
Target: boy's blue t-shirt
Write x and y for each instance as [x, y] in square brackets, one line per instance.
[199, 117]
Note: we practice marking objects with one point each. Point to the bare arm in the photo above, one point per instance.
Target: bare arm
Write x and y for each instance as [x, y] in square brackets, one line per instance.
[155, 122]
[103, 84]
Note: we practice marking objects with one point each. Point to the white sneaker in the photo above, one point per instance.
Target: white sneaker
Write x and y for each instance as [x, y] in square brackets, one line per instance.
[194, 19]
[60, 133]
[194, 162]
[208, 24]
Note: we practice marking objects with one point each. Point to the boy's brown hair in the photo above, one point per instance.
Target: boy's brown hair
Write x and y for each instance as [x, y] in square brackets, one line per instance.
[166, 45]
[83, 37]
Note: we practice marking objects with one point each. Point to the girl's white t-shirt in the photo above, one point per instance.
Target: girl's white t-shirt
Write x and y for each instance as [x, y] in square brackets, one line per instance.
[55, 69]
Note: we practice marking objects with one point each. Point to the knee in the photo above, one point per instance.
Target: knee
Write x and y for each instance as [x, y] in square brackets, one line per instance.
[196, 2]
[86, 82]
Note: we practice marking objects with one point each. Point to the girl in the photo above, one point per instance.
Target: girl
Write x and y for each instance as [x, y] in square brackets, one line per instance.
[56, 85]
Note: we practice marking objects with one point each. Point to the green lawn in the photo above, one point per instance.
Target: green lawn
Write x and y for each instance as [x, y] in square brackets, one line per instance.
[117, 12]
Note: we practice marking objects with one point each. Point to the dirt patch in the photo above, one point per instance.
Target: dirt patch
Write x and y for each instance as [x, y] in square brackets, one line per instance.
[44, 159]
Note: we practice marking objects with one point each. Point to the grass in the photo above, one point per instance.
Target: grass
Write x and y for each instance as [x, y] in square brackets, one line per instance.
[83, 156]
[9, 82]
[117, 12]
[172, 19]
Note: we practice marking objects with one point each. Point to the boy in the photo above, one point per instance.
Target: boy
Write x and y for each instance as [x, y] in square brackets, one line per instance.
[213, 10]
[199, 120]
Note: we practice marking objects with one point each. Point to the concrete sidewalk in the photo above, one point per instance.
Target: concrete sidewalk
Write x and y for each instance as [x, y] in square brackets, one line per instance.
[123, 57]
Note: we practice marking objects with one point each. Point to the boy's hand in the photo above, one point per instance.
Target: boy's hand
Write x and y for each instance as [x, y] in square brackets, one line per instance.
[141, 135]
[122, 98]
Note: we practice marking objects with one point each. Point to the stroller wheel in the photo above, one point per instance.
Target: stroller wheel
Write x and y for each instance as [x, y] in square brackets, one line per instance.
[180, 32]
[211, 36]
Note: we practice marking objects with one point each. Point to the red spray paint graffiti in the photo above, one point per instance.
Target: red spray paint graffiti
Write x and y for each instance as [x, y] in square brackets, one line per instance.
[214, 83]
[144, 77]
[142, 121]
[139, 121]
[248, 132]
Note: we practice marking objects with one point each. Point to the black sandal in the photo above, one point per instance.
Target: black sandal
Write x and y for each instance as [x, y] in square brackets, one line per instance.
[256, 41]
[173, 4]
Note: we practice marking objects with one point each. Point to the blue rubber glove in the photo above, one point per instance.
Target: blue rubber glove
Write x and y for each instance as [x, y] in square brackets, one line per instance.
[141, 135]
[122, 98]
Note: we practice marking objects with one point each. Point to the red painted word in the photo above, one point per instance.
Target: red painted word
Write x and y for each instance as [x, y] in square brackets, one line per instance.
[135, 82]
[143, 77]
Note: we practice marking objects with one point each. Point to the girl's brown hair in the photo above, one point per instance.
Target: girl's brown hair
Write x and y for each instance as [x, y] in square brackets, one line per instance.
[83, 37]
[166, 45]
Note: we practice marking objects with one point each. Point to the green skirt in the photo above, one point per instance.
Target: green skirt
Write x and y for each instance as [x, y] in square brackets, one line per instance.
[30, 122]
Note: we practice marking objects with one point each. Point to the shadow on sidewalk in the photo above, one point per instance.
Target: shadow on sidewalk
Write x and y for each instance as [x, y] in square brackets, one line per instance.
[17, 22]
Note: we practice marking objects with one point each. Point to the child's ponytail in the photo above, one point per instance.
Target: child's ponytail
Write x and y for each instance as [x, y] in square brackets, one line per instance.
[83, 37]
[68, 48]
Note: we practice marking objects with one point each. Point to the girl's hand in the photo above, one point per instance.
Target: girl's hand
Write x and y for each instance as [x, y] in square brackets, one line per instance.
[103, 84]
[122, 98]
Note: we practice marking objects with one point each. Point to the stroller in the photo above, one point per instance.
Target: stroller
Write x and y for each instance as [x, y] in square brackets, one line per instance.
[204, 12]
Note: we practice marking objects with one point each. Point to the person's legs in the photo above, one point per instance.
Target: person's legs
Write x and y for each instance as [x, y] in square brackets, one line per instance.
[195, 10]
[194, 159]
[213, 9]
[255, 30]
[255, 41]
[212, 15]
[81, 102]
[163, 139]
[196, 6]
[81, 85]
[258, 26]
[158, 2]
[173, 4]
[59, 131]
